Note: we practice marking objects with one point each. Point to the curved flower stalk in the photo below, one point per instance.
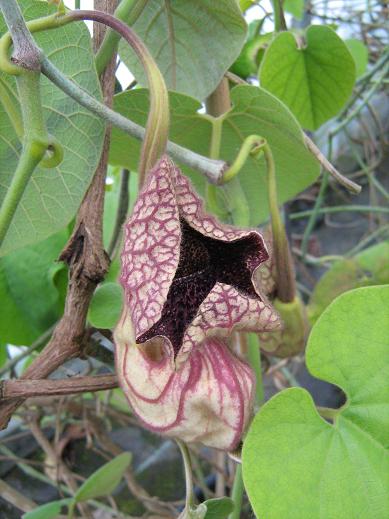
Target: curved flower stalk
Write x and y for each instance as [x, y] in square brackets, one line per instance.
[291, 339]
[189, 281]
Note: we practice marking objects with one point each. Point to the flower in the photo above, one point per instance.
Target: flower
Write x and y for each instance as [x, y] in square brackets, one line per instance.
[209, 400]
[189, 281]
[185, 275]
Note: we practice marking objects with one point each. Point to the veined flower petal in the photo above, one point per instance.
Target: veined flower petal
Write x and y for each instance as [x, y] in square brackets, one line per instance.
[209, 400]
[186, 276]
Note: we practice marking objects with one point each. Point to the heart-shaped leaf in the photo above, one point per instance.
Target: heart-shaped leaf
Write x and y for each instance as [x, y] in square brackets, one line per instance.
[254, 111]
[53, 195]
[369, 267]
[180, 35]
[314, 79]
[295, 464]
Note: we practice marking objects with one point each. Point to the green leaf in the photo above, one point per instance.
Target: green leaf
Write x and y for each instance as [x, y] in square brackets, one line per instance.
[47, 511]
[245, 4]
[105, 307]
[295, 464]
[193, 43]
[30, 301]
[53, 195]
[113, 272]
[104, 481]
[360, 54]
[218, 508]
[250, 56]
[254, 112]
[369, 267]
[314, 79]
[295, 8]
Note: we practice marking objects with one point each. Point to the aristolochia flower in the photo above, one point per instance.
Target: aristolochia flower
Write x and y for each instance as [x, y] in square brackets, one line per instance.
[188, 281]
[209, 400]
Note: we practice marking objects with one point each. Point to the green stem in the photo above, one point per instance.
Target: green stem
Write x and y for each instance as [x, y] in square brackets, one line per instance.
[340, 209]
[286, 285]
[157, 128]
[318, 203]
[214, 152]
[12, 108]
[72, 507]
[35, 143]
[360, 106]
[252, 145]
[127, 11]
[279, 19]
[235, 208]
[229, 202]
[40, 341]
[189, 499]
[26, 54]
[363, 81]
[366, 241]
[39, 476]
[211, 169]
[254, 357]
[40, 24]
[237, 493]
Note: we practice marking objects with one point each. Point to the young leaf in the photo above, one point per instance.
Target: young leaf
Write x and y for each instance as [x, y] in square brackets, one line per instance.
[53, 195]
[218, 508]
[105, 307]
[297, 465]
[250, 56]
[104, 481]
[254, 111]
[314, 79]
[369, 267]
[360, 54]
[180, 36]
[47, 511]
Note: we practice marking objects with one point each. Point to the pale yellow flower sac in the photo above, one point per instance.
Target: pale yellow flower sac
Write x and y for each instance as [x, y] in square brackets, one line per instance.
[208, 400]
